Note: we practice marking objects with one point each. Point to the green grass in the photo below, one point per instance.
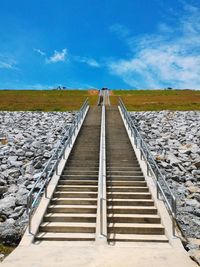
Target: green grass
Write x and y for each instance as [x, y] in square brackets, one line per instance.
[6, 250]
[46, 100]
[144, 100]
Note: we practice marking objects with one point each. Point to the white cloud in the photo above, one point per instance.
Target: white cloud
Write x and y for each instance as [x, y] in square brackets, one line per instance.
[57, 56]
[89, 61]
[9, 65]
[42, 53]
[169, 58]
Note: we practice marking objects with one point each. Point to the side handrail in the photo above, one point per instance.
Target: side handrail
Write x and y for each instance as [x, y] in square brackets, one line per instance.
[44, 178]
[162, 186]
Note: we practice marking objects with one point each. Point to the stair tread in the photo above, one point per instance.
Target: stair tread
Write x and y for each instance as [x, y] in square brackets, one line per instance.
[87, 215]
[65, 198]
[72, 206]
[137, 237]
[74, 186]
[133, 215]
[65, 235]
[70, 224]
[130, 207]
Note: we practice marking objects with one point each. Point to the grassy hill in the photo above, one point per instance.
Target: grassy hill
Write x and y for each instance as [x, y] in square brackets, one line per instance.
[141, 100]
[46, 100]
[138, 100]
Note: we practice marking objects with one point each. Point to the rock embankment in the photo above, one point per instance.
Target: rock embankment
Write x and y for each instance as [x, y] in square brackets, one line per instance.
[27, 140]
[174, 140]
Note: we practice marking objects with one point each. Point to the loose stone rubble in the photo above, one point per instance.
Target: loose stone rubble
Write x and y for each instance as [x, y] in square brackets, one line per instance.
[27, 140]
[174, 140]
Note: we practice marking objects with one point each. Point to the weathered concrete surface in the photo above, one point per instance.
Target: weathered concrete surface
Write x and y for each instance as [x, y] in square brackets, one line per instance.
[60, 255]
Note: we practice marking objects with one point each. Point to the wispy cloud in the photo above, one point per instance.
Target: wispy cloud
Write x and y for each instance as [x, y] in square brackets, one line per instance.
[40, 52]
[89, 61]
[120, 30]
[58, 56]
[171, 57]
[8, 64]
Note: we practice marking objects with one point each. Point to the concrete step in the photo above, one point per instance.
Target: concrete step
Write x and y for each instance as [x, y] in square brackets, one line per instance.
[124, 173]
[133, 218]
[126, 183]
[75, 194]
[113, 237]
[136, 228]
[123, 170]
[124, 178]
[135, 174]
[70, 217]
[125, 195]
[131, 210]
[65, 236]
[130, 202]
[74, 201]
[71, 188]
[78, 182]
[79, 177]
[67, 227]
[72, 209]
[88, 172]
[127, 189]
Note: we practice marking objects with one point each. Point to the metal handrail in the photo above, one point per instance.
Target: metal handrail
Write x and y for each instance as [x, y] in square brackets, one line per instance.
[162, 186]
[102, 176]
[34, 195]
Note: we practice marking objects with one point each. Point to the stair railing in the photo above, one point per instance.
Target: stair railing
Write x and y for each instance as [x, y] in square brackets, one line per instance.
[44, 178]
[152, 167]
[102, 205]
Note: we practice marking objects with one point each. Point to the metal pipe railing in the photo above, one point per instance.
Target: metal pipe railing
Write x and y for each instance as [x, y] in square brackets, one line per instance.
[161, 185]
[102, 209]
[34, 195]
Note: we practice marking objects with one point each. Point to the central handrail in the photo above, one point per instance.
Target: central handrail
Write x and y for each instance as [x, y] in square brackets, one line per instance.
[34, 195]
[102, 209]
[162, 186]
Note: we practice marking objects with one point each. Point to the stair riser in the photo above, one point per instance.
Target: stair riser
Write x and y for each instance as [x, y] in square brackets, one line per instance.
[74, 202]
[124, 173]
[78, 178]
[63, 182]
[131, 211]
[74, 195]
[70, 219]
[95, 173]
[145, 189]
[124, 178]
[72, 210]
[129, 203]
[133, 220]
[77, 189]
[140, 231]
[128, 196]
[115, 183]
[67, 229]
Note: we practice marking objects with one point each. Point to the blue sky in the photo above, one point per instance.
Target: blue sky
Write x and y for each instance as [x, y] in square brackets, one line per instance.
[96, 43]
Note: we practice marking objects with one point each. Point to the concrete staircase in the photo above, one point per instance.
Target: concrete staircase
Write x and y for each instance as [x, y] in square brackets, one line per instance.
[71, 214]
[132, 215]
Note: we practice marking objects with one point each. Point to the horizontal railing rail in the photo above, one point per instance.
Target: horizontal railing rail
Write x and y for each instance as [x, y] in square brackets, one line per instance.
[43, 180]
[162, 186]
